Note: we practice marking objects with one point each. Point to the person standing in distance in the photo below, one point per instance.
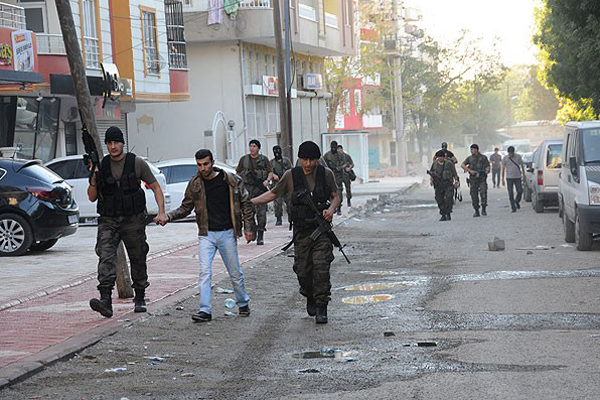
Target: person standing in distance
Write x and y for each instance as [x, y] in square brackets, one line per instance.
[443, 179]
[514, 171]
[221, 204]
[448, 154]
[312, 258]
[280, 164]
[122, 209]
[496, 161]
[348, 165]
[335, 161]
[478, 166]
[256, 172]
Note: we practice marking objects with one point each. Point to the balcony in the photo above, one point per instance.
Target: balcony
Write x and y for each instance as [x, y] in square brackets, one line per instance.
[12, 16]
[51, 44]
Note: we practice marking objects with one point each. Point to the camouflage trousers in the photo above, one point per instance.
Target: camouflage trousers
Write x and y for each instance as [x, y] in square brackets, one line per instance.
[478, 188]
[278, 204]
[348, 186]
[312, 259]
[260, 211]
[339, 181]
[444, 194]
[132, 231]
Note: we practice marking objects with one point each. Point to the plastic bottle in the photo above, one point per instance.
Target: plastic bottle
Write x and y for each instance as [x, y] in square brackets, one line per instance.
[229, 303]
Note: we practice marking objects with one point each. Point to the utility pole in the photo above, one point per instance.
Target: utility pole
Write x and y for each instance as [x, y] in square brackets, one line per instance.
[281, 81]
[84, 102]
[399, 136]
[288, 81]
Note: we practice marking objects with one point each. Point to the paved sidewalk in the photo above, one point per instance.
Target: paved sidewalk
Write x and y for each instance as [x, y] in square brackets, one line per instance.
[51, 325]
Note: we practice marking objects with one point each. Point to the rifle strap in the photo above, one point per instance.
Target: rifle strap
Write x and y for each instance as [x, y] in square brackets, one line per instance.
[294, 236]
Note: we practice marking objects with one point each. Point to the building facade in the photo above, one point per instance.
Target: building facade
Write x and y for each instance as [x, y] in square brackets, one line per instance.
[233, 78]
[142, 39]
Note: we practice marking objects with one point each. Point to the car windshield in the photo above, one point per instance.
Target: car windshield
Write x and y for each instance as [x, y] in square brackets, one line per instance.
[41, 173]
[591, 145]
[554, 156]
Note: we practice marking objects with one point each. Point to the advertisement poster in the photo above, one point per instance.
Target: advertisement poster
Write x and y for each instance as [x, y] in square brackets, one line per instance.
[23, 51]
[270, 85]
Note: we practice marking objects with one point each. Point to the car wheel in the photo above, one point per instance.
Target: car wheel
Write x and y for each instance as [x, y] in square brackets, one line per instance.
[527, 196]
[569, 229]
[583, 239]
[538, 206]
[15, 235]
[44, 245]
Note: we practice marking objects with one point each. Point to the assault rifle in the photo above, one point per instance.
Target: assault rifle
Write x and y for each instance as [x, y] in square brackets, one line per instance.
[91, 152]
[323, 226]
[435, 177]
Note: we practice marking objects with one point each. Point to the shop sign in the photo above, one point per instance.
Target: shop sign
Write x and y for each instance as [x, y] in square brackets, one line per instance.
[270, 85]
[6, 55]
[313, 81]
[23, 50]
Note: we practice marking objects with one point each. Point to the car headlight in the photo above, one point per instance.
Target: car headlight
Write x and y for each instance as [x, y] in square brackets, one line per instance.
[594, 193]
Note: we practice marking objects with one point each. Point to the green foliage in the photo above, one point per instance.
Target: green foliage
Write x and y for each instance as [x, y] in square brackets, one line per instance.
[568, 34]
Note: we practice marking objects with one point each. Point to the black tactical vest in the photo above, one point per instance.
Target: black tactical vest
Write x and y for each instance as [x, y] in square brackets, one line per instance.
[122, 198]
[302, 215]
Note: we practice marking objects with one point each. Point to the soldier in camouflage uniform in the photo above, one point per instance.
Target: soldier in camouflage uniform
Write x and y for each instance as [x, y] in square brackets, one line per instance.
[444, 179]
[280, 165]
[478, 166]
[348, 166]
[122, 209]
[336, 161]
[312, 258]
[256, 172]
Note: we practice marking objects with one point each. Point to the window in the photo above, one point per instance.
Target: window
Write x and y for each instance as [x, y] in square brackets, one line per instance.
[175, 34]
[70, 138]
[591, 145]
[66, 169]
[554, 156]
[346, 102]
[151, 60]
[35, 15]
[36, 127]
[182, 173]
[89, 29]
[357, 101]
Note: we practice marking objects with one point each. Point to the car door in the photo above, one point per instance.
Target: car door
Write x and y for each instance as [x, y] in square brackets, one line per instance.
[569, 183]
[552, 164]
[178, 178]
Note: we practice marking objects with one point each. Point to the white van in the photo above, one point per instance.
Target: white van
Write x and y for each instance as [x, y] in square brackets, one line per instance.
[544, 172]
[579, 189]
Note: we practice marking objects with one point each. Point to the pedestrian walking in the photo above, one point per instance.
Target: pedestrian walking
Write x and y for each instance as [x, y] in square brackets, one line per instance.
[280, 164]
[349, 174]
[222, 205]
[444, 180]
[335, 162]
[478, 166]
[312, 257]
[116, 185]
[513, 170]
[256, 172]
[496, 162]
[448, 154]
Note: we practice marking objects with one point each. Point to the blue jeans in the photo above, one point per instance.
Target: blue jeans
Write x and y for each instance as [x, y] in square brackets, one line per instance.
[226, 243]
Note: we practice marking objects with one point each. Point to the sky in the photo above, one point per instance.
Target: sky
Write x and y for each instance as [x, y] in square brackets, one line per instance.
[511, 21]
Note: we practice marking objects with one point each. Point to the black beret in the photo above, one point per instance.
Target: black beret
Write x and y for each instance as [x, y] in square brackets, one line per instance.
[310, 150]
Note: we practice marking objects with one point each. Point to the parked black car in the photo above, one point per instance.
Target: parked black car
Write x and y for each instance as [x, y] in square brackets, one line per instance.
[36, 207]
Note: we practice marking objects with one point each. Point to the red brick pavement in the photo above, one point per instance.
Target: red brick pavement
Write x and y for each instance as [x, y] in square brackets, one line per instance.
[32, 327]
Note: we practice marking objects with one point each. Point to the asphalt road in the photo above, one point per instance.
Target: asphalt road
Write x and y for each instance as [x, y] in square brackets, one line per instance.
[449, 320]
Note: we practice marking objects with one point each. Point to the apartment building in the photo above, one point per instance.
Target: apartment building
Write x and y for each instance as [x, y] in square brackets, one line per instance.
[141, 39]
[233, 74]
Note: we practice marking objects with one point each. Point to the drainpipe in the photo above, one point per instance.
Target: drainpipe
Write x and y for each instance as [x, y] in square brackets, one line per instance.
[243, 83]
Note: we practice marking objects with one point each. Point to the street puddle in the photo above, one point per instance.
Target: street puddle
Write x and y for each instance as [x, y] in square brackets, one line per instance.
[382, 273]
[368, 287]
[367, 299]
[326, 352]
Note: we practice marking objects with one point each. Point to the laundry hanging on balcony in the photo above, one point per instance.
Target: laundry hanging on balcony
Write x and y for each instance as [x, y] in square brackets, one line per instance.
[215, 12]
[231, 8]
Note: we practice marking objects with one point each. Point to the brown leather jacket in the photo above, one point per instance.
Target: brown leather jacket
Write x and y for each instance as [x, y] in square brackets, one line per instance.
[195, 199]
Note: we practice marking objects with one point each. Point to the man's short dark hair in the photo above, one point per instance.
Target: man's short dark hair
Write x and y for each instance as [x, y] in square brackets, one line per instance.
[496, 149]
[334, 143]
[256, 142]
[203, 153]
[340, 147]
[440, 153]
[511, 149]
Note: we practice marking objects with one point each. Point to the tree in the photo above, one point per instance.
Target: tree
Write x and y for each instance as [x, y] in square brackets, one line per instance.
[568, 33]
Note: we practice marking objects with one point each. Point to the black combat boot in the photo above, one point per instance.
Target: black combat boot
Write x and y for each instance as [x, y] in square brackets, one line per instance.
[259, 238]
[104, 305]
[321, 314]
[139, 301]
[448, 217]
[279, 221]
[311, 306]
[483, 211]
[476, 213]
[349, 204]
[443, 218]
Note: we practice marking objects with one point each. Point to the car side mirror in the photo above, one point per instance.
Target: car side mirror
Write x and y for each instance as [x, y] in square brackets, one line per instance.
[573, 166]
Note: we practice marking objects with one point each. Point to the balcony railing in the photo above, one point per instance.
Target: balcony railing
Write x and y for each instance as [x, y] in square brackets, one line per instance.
[252, 4]
[92, 52]
[12, 16]
[50, 43]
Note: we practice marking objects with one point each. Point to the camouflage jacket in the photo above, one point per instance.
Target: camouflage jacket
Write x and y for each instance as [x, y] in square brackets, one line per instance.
[195, 199]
